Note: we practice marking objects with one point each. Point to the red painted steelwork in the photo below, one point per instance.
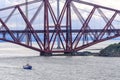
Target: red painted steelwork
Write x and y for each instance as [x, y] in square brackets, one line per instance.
[68, 41]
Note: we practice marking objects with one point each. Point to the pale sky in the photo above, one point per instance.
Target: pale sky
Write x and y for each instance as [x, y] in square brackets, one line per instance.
[110, 3]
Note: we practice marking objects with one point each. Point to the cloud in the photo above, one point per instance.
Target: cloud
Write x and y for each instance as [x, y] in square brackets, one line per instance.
[109, 3]
[11, 2]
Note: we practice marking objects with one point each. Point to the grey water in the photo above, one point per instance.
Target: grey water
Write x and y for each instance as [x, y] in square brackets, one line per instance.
[13, 57]
[61, 68]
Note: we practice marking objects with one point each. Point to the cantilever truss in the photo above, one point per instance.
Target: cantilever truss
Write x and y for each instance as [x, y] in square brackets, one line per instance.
[76, 28]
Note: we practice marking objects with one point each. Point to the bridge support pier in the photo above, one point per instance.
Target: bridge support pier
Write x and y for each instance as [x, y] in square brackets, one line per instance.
[45, 53]
[69, 53]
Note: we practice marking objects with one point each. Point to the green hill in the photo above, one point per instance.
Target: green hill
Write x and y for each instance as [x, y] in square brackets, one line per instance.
[112, 50]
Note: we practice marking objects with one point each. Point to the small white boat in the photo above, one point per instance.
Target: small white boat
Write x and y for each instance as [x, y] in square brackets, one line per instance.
[27, 66]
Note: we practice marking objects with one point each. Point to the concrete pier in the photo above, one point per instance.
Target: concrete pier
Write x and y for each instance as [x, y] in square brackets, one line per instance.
[45, 54]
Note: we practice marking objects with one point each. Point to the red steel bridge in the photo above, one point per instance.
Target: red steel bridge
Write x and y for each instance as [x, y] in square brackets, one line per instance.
[79, 25]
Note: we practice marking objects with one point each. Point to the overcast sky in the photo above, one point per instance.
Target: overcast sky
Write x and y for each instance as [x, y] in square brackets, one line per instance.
[109, 3]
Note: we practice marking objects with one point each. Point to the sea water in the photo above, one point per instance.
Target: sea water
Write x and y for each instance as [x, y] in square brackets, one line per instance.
[13, 58]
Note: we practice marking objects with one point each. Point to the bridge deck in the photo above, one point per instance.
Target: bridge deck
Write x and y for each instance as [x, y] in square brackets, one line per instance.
[73, 31]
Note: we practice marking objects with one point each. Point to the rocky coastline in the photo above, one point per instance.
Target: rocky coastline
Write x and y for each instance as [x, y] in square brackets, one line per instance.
[112, 50]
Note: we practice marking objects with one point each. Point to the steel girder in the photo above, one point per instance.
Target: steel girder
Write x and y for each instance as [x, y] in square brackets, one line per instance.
[68, 42]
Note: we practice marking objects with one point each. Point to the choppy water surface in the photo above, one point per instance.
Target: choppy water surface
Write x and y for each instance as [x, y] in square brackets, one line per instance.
[60, 68]
[13, 57]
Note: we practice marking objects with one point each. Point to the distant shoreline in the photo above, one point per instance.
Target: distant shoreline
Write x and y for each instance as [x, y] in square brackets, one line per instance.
[79, 54]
